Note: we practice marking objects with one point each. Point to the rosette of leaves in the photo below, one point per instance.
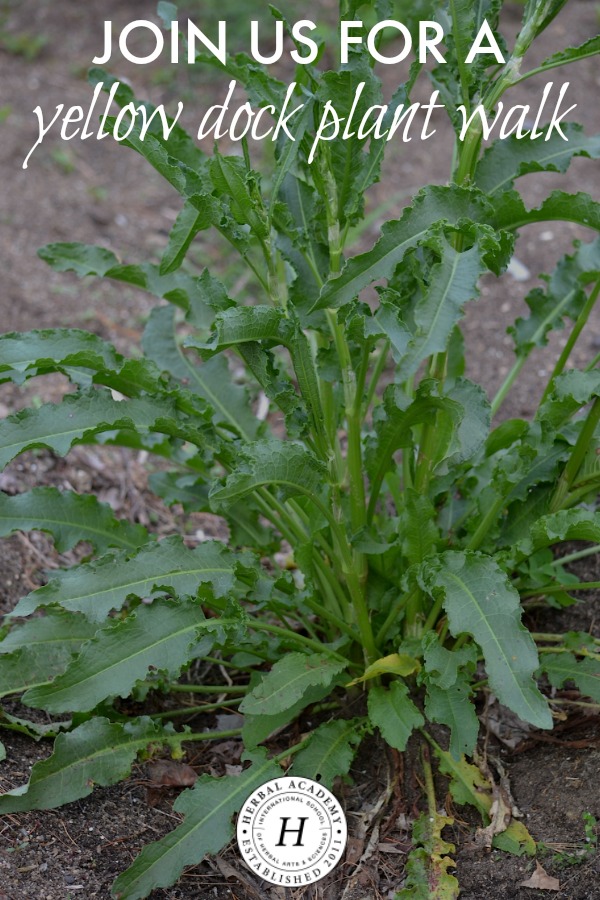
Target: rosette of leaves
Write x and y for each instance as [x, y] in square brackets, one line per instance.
[414, 522]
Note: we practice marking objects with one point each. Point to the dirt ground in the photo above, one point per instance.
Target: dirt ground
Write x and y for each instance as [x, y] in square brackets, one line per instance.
[99, 193]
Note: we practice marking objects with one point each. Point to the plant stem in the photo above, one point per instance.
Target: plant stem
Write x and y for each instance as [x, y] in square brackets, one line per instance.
[578, 554]
[486, 523]
[184, 736]
[194, 710]
[557, 588]
[376, 375]
[577, 456]
[178, 688]
[393, 614]
[582, 319]
[507, 384]
[296, 638]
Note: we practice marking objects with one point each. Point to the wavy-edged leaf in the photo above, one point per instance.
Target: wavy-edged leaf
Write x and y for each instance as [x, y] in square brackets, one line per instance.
[480, 601]
[193, 218]
[451, 706]
[208, 808]
[80, 355]
[417, 527]
[166, 567]
[589, 48]
[229, 178]
[394, 421]
[452, 282]
[156, 637]
[185, 291]
[585, 673]
[441, 665]
[37, 731]
[179, 144]
[509, 159]
[467, 784]
[283, 463]
[452, 205]
[288, 680]
[352, 90]
[69, 518]
[257, 728]
[330, 751]
[32, 666]
[79, 417]
[564, 525]
[570, 392]
[511, 212]
[563, 296]
[26, 354]
[98, 752]
[212, 380]
[393, 712]
[427, 876]
[56, 626]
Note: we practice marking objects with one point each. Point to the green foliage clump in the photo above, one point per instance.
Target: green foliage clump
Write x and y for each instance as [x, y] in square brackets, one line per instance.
[416, 523]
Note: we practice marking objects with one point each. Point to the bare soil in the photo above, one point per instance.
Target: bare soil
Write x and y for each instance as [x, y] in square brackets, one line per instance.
[99, 193]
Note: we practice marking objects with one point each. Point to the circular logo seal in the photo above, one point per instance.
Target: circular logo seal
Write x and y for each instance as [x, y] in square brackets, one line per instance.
[291, 831]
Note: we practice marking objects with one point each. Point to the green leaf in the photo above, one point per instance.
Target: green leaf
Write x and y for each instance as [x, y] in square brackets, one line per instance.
[565, 525]
[329, 752]
[570, 392]
[393, 712]
[511, 213]
[185, 291]
[180, 145]
[98, 752]
[156, 637]
[394, 420]
[451, 706]
[37, 731]
[226, 174]
[69, 518]
[563, 296]
[515, 839]
[257, 728]
[26, 354]
[509, 159]
[164, 567]
[352, 90]
[288, 680]
[55, 627]
[206, 829]
[591, 47]
[452, 205]
[467, 784]
[585, 673]
[451, 283]
[212, 380]
[417, 527]
[32, 666]
[243, 326]
[79, 417]
[193, 218]
[537, 15]
[441, 665]
[480, 601]
[264, 463]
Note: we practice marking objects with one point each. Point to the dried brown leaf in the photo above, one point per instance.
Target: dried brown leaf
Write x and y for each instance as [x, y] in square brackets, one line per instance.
[171, 773]
[541, 880]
